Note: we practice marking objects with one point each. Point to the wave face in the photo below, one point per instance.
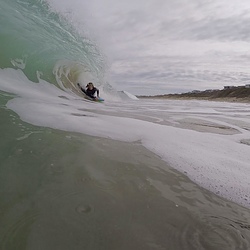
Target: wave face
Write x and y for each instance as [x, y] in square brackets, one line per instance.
[43, 44]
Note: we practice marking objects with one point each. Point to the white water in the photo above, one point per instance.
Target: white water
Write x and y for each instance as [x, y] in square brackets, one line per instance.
[215, 157]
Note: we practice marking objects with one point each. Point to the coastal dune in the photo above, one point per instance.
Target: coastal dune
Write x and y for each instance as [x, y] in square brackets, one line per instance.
[228, 94]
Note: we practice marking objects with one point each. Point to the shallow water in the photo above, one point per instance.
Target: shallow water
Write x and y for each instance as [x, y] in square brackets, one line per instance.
[62, 190]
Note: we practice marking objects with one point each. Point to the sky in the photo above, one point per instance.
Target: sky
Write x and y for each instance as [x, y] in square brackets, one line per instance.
[167, 46]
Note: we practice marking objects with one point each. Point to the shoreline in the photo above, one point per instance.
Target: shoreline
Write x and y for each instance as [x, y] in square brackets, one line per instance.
[228, 99]
[239, 94]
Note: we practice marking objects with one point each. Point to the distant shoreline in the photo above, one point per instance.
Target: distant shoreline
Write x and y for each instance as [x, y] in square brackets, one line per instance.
[228, 94]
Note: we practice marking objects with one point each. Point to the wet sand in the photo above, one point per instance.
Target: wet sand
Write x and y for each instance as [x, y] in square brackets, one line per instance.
[68, 191]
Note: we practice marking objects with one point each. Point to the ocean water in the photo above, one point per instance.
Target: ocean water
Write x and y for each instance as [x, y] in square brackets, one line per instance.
[123, 174]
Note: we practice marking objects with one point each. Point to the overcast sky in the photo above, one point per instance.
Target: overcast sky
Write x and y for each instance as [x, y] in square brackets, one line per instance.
[168, 46]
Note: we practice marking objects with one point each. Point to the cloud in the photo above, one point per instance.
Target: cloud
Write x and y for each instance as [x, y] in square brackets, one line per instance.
[227, 29]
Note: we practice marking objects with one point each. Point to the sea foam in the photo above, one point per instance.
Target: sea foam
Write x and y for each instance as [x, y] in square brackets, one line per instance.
[215, 161]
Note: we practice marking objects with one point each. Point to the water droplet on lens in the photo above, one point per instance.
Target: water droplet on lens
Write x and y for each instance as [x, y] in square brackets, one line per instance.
[83, 209]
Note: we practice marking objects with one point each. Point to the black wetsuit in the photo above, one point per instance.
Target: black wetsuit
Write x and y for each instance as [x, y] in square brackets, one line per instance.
[90, 92]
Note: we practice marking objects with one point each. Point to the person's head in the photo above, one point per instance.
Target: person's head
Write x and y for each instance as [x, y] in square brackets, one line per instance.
[90, 85]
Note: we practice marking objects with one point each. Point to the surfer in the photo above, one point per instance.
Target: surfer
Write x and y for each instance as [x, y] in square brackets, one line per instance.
[90, 90]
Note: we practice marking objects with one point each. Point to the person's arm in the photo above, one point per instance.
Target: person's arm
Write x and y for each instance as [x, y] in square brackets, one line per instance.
[81, 88]
[97, 92]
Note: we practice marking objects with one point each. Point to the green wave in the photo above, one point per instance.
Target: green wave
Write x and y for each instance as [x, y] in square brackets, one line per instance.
[34, 39]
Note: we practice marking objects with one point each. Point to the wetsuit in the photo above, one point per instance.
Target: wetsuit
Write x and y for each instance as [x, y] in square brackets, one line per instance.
[89, 92]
